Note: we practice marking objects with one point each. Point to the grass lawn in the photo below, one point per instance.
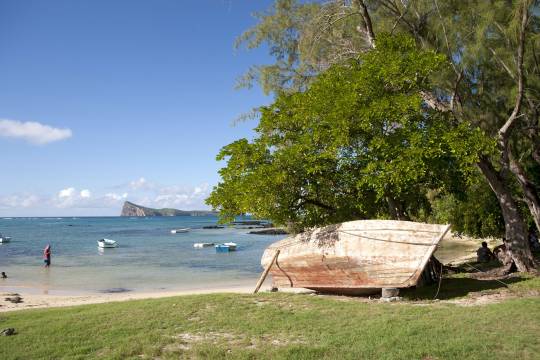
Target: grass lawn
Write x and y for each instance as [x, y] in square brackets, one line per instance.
[285, 326]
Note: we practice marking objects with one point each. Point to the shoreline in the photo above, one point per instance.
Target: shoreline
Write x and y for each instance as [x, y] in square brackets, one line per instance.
[34, 298]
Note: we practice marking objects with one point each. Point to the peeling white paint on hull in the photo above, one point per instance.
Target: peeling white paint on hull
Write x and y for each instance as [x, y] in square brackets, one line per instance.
[356, 257]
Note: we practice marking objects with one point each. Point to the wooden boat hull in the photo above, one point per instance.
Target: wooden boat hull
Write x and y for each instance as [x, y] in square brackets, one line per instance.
[356, 257]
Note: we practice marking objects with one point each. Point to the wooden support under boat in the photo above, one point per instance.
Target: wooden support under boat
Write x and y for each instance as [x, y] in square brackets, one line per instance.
[265, 273]
[356, 257]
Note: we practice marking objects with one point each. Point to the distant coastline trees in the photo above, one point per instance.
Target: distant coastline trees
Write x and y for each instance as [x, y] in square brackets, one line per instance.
[394, 109]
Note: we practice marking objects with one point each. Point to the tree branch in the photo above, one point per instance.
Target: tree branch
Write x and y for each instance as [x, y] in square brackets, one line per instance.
[455, 95]
[368, 26]
[446, 40]
[394, 9]
[503, 64]
[304, 201]
[527, 186]
[433, 102]
[504, 131]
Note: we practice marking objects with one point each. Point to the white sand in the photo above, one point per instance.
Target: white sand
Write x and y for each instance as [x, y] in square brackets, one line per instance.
[32, 299]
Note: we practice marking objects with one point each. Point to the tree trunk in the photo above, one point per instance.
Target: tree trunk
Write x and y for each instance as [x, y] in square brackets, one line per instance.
[529, 190]
[395, 208]
[516, 241]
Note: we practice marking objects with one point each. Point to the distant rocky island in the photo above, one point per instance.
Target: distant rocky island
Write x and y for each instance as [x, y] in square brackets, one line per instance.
[131, 209]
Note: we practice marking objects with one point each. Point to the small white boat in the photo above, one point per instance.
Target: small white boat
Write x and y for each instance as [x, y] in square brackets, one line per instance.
[203, 245]
[178, 231]
[226, 247]
[107, 243]
[4, 239]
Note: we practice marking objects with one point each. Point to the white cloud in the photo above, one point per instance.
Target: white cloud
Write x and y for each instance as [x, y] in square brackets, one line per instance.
[33, 132]
[140, 183]
[70, 197]
[18, 201]
[71, 200]
[65, 198]
[117, 197]
[152, 194]
[66, 193]
[181, 197]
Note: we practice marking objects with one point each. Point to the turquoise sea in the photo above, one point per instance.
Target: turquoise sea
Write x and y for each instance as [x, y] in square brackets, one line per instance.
[148, 258]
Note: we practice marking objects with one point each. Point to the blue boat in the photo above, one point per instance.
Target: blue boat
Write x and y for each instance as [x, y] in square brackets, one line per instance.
[226, 247]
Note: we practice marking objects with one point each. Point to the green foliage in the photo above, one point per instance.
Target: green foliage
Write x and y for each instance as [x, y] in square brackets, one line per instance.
[478, 38]
[357, 141]
[476, 212]
[279, 29]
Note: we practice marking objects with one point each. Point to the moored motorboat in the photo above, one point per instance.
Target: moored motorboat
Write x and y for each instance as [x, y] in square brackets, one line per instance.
[179, 231]
[4, 239]
[226, 247]
[107, 243]
[203, 245]
[356, 257]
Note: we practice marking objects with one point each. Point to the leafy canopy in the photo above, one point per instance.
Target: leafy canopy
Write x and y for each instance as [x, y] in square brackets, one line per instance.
[356, 141]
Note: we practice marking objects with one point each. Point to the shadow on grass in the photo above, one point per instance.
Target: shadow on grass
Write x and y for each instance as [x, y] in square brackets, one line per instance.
[475, 267]
[457, 287]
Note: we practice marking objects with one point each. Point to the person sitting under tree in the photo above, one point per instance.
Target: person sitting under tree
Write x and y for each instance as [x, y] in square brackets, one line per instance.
[483, 254]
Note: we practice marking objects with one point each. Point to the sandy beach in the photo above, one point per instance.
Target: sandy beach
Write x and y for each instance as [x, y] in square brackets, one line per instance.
[32, 299]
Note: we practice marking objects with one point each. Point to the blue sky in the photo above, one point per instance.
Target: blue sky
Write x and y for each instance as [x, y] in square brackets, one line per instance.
[132, 100]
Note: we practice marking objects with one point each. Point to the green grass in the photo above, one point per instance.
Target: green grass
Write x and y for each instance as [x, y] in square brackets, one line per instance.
[285, 326]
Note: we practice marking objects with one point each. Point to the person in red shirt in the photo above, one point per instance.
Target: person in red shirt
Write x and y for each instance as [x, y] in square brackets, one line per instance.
[47, 255]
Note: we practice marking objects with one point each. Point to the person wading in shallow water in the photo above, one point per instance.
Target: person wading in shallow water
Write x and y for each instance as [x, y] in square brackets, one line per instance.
[47, 255]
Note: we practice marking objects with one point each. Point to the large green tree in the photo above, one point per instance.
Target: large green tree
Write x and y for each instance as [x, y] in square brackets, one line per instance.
[492, 83]
[358, 143]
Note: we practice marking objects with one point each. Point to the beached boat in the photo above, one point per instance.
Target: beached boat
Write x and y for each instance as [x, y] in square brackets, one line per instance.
[4, 239]
[203, 245]
[226, 247]
[356, 257]
[107, 243]
[178, 231]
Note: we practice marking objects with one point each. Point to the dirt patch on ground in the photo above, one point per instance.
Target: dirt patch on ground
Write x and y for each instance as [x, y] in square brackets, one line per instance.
[284, 304]
[185, 341]
[491, 298]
